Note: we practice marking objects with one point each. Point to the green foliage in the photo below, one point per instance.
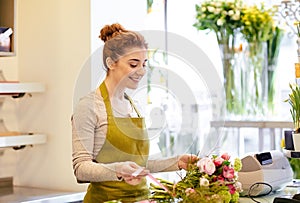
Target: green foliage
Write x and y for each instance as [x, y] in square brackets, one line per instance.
[149, 5]
[273, 44]
[295, 164]
[297, 24]
[294, 101]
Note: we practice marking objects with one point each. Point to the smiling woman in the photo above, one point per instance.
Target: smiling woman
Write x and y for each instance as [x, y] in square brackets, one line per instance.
[110, 140]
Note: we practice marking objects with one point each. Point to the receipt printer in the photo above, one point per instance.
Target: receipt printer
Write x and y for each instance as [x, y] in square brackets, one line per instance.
[264, 172]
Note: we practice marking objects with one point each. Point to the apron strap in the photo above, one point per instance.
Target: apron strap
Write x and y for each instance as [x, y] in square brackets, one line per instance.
[105, 96]
[132, 104]
[106, 99]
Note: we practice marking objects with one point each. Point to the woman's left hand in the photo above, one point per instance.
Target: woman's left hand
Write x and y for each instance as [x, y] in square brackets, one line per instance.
[186, 159]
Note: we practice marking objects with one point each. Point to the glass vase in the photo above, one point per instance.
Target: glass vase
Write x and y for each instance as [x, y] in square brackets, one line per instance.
[256, 72]
[232, 74]
[271, 88]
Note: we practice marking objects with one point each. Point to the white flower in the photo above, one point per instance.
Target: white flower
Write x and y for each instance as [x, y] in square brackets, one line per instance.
[220, 22]
[204, 182]
[217, 11]
[235, 17]
[238, 187]
[218, 4]
[224, 13]
[203, 9]
[211, 9]
[231, 12]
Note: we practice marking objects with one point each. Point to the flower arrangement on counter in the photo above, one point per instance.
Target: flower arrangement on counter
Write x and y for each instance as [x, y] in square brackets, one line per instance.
[212, 179]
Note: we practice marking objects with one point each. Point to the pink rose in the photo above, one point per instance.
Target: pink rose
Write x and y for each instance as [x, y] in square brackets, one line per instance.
[206, 165]
[220, 179]
[231, 188]
[218, 161]
[225, 156]
[228, 172]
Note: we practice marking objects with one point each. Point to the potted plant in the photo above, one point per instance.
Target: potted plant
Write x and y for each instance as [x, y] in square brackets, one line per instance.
[294, 101]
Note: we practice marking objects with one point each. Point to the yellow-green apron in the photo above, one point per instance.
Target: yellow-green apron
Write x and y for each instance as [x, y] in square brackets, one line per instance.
[126, 140]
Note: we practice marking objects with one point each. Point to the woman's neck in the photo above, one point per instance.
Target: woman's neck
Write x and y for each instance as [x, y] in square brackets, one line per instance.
[114, 89]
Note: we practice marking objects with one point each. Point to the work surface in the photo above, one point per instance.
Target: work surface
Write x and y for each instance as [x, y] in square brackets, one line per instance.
[35, 195]
[287, 192]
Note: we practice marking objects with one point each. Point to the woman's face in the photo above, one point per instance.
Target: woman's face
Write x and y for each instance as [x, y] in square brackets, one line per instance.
[130, 68]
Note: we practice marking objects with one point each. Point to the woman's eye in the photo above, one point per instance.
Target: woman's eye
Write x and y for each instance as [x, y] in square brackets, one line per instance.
[133, 65]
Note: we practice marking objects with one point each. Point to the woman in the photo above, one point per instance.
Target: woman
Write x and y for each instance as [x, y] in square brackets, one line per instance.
[110, 142]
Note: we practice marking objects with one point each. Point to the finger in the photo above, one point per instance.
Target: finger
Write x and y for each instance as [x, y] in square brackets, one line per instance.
[138, 172]
[144, 173]
[134, 181]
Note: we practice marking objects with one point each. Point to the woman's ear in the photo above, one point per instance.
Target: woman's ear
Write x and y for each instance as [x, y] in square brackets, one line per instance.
[109, 63]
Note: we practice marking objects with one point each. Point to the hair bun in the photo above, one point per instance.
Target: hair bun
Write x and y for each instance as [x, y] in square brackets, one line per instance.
[110, 31]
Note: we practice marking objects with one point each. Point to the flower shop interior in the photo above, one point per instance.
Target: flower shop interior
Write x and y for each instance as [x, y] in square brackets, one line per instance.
[221, 79]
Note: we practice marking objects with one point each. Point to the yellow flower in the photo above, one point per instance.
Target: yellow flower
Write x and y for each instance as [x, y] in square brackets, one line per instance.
[282, 143]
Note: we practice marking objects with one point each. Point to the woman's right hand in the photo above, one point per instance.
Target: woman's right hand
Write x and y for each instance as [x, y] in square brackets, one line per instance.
[125, 171]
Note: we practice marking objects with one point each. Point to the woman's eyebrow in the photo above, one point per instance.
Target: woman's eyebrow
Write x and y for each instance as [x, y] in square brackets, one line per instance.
[138, 60]
[134, 59]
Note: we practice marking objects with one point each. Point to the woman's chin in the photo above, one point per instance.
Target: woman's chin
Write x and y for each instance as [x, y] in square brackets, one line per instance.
[133, 86]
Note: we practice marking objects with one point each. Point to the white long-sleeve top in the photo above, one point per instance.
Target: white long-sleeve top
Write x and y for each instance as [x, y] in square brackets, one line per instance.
[89, 127]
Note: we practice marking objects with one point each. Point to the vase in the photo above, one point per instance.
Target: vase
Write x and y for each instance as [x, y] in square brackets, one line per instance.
[232, 77]
[256, 73]
[271, 89]
[296, 141]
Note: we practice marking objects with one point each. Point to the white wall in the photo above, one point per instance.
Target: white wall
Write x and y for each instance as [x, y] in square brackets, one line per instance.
[53, 42]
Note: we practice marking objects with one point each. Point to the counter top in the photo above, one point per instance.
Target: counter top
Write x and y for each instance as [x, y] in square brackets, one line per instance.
[287, 192]
[38, 195]
[18, 194]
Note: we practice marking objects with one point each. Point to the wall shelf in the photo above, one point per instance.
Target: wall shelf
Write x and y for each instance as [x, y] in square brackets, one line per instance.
[15, 87]
[19, 140]
[16, 139]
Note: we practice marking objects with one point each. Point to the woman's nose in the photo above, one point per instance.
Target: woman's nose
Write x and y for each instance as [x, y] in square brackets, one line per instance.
[141, 71]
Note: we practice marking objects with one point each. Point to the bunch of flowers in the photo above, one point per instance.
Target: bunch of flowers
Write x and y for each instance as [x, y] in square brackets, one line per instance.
[257, 23]
[212, 179]
[221, 16]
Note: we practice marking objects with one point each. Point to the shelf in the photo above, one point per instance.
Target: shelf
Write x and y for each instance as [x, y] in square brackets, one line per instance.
[19, 140]
[2, 53]
[10, 88]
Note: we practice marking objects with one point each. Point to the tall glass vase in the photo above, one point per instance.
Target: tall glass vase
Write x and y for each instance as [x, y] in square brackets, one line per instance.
[232, 77]
[271, 88]
[256, 72]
